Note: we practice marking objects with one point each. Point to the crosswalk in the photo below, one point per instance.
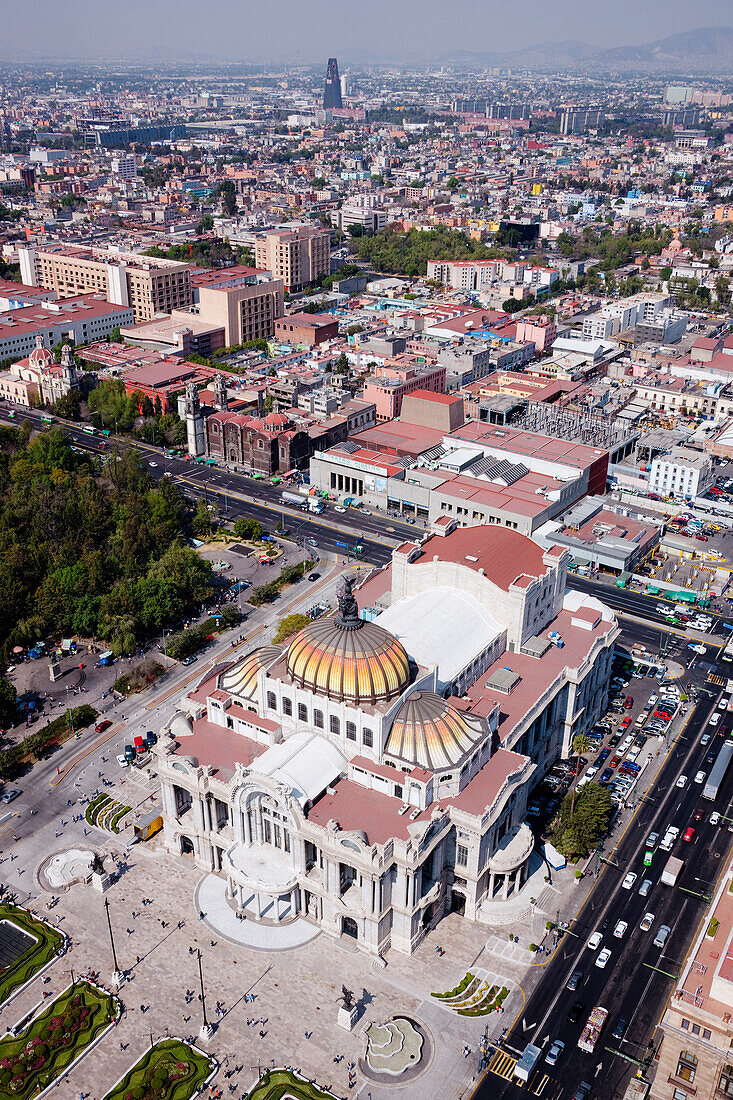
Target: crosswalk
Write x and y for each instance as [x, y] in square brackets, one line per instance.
[540, 1084]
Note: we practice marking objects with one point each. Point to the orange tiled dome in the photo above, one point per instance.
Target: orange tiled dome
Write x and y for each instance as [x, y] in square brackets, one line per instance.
[348, 659]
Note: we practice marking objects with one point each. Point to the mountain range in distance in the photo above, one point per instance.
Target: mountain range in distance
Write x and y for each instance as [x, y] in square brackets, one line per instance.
[705, 50]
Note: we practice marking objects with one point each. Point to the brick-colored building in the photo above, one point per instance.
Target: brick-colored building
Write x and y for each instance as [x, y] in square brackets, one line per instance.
[264, 445]
[307, 329]
[392, 382]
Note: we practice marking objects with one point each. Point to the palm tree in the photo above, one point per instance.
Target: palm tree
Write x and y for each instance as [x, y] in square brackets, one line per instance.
[581, 745]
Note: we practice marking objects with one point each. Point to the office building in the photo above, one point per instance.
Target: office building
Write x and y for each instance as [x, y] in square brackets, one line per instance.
[243, 301]
[148, 285]
[297, 256]
[332, 87]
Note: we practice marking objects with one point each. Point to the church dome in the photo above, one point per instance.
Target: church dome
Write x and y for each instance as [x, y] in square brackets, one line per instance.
[347, 658]
[40, 356]
[240, 679]
[431, 733]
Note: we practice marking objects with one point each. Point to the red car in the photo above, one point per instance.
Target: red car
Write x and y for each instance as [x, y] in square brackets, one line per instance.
[614, 761]
[688, 834]
[626, 722]
[697, 816]
[102, 726]
[701, 538]
[629, 702]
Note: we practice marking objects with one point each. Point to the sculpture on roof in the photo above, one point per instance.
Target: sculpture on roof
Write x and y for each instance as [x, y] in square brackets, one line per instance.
[348, 615]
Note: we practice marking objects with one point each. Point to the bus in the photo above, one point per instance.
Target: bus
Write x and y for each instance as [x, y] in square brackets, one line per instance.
[623, 580]
[46, 418]
[718, 772]
[592, 1030]
[727, 654]
[89, 430]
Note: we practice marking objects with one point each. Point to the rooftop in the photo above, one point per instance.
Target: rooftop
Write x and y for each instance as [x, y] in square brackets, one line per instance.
[504, 555]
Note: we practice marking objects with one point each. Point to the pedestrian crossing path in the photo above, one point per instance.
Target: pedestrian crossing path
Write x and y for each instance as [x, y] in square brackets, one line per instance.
[502, 1064]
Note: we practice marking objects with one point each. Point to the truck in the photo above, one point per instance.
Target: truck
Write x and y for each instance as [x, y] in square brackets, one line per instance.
[671, 871]
[526, 1063]
[592, 1030]
[149, 825]
[292, 498]
[314, 505]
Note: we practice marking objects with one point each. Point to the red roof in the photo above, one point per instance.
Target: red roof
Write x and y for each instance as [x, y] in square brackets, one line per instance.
[503, 554]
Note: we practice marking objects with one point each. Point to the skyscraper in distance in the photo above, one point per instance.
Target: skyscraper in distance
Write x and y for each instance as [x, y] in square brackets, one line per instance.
[332, 89]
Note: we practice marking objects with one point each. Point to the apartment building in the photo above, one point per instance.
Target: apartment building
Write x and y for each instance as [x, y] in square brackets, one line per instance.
[681, 474]
[244, 301]
[625, 315]
[297, 256]
[695, 1057]
[148, 285]
[389, 384]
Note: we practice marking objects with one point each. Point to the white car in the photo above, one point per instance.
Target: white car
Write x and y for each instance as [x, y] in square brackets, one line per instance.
[646, 922]
[338, 508]
[723, 703]
[704, 739]
[629, 881]
[153, 465]
[123, 761]
[714, 818]
[620, 929]
[715, 719]
[681, 782]
[603, 957]
[554, 1052]
[595, 941]
[700, 777]
[591, 772]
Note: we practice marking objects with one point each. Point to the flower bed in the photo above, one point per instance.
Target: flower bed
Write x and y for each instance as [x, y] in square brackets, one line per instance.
[492, 1002]
[279, 1083]
[171, 1070]
[46, 944]
[106, 813]
[94, 808]
[32, 1060]
[460, 988]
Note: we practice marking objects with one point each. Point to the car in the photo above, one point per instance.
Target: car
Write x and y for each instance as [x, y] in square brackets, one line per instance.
[123, 761]
[715, 719]
[701, 538]
[102, 726]
[714, 818]
[629, 702]
[583, 1091]
[646, 922]
[620, 1029]
[620, 929]
[153, 465]
[602, 958]
[574, 980]
[554, 1052]
[576, 1011]
[710, 758]
[11, 795]
[629, 881]
[606, 776]
[591, 772]
[652, 840]
[662, 934]
[688, 834]
[313, 576]
[704, 739]
[338, 508]
[698, 815]
[312, 542]
[614, 761]
[189, 660]
[595, 941]
[645, 887]
[626, 722]
[681, 782]
[699, 777]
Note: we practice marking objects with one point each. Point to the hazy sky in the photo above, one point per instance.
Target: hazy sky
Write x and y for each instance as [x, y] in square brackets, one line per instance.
[309, 30]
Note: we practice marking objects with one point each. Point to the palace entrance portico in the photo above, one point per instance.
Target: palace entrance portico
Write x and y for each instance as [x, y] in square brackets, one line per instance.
[262, 882]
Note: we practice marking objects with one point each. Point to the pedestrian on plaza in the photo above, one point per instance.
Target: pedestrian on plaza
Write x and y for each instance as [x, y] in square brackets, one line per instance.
[201, 914]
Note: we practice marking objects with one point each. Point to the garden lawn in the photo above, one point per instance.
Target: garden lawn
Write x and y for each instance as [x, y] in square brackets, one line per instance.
[46, 944]
[278, 1083]
[171, 1070]
[47, 1047]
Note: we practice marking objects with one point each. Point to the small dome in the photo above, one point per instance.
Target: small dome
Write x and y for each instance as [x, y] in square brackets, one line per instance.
[241, 678]
[40, 356]
[429, 732]
[180, 725]
[347, 658]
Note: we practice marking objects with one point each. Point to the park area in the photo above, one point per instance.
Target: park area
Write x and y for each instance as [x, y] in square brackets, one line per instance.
[26, 946]
[170, 1070]
[32, 1060]
[279, 1083]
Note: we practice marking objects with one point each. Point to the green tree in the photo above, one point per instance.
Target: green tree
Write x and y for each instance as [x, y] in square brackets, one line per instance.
[205, 224]
[582, 827]
[201, 524]
[581, 745]
[342, 364]
[290, 625]
[68, 405]
[251, 530]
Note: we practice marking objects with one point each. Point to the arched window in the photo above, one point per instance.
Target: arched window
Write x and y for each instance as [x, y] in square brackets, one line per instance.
[271, 700]
[367, 737]
[351, 731]
[318, 719]
[334, 724]
[287, 705]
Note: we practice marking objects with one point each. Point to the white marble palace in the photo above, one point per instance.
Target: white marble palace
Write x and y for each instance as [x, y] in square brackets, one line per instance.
[373, 775]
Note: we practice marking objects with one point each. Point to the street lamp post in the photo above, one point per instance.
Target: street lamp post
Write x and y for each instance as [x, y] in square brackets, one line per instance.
[117, 977]
[206, 1030]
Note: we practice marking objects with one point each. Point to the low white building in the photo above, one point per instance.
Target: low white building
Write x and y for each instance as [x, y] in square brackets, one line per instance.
[681, 474]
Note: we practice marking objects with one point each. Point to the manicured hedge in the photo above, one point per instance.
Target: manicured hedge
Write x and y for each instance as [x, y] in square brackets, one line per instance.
[35, 1058]
[48, 942]
[171, 1070]
[279, 1083]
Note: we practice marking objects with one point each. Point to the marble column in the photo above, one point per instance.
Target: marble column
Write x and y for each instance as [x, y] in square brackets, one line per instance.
[258, 910]
[505, 886]
[492, 884]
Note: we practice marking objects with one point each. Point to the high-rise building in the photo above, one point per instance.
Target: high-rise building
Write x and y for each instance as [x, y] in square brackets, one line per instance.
[332, 89]
[297, 256]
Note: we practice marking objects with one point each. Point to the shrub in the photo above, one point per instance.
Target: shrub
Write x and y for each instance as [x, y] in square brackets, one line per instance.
[533, 947]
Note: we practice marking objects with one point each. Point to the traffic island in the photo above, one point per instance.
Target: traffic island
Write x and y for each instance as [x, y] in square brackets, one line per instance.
[170, 1070]
[31, 1061]
[27, 946]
